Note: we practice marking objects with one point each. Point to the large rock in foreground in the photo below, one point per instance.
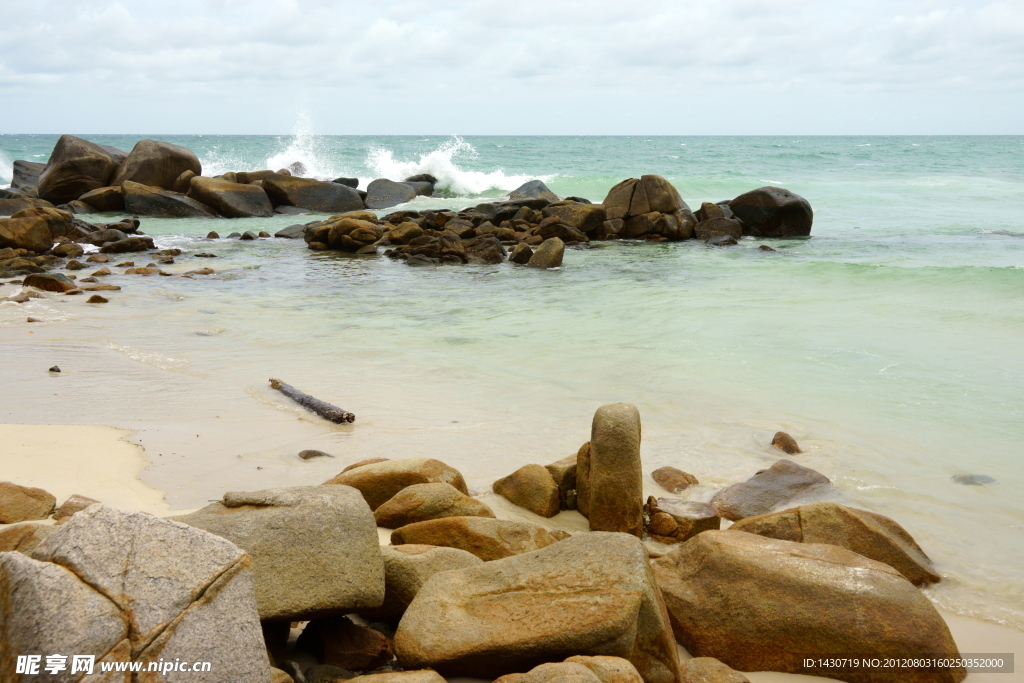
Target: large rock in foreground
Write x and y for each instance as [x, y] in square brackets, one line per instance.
[314, 548]
[592, 594]
[488, 539]
[157, 164]
[379, 481]
[127, 586]
[76, 166]
[314, 195]
[779, 484]
[773, 212]
[407, 568]
[615, 479]
[759, 604]
[863, 532]
[233, 200]
[144, 200]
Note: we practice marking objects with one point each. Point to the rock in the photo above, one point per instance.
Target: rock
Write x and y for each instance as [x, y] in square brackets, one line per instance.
[24, 503]
[615, 478]
[586, 218]
[488, 539]
[710, 670]
[291, 232]
[101, 272]
[25, 174]
[403, 233]
[77, 207]
[185, 594]
[609, 669]
[521, 254]
[594, 594]
[718, 227]
[564, 473]
[673, 480]
[348, 182]
[285, 210]
[101, 237]
[633, 201]
[553, 671]
[307, 193]
[278, 676]
[422, 188]
[367, 461]
[420, 502]
[531, 487]
[336, 641]
[248, 236]
[12, 206]
[773, 212]
[183, 182]
[314, 548]
[972, 479]
[75, 167]
[157, 164]
[54, 369]
[25, 536]
[104, 199]
[128, 245]
[679, 520]
[233, 200]
[68, 250]
[583, 480]
[379, 482]
[422, 178]
[722, 241]
[49, 282]
[533, 189]
[424, 676]
[407, 568]
[785, 443]
[548, 255]
[73, 504]
[31, 233]
[865, 533]
[707, 211]
[484, 250]
[144, 200]
[760, 604]
[765, 247]
[779, 484]
[309, 454]
[99, 258]
[97, 299]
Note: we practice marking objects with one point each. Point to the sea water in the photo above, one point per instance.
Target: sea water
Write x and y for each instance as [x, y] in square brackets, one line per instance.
[889, 343]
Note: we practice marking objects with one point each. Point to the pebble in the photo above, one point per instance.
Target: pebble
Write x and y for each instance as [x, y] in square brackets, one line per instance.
[54, 369]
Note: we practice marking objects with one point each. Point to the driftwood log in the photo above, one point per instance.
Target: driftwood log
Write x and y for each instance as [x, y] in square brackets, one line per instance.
[324, 410]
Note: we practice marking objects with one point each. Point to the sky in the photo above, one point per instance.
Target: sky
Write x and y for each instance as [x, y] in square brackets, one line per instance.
[530, 67]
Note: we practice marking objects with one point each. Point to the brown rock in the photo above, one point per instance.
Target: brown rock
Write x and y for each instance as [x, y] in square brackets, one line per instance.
[407, 568]
[421, 502]
[73, 504]
[31, 233]
[311, 194]
[564, 474]
[583, 480]
[773, 212]
[59, 221]
[336, 641]
[865, 533]
[569, 672]
[779, 484]
[708, 210]
[157, 164]
[609, 669]
[488, 539]
[367, 461]
[97, 299]
[75, 167]
[586, 218]
[144, 200]
[310, 453]
[689, 518]
[548, 255]
[662, 524]
[531, 487]
[49, 282]
[68, 250]
[379, 482]
[710, 670]
[404, 232]
[718, 227]
[521, 254]
[23, 537]
[104, 199]
[99, 258]
[673, 480]
[233, 200]
[785, 443]
[13, 205]
[760, 604]
[616, 480]
[422, 676]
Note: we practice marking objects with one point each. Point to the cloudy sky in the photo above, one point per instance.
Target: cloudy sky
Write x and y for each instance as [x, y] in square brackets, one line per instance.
[687, 67]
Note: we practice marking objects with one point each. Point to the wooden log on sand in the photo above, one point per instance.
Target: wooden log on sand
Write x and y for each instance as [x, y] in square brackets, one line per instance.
[324, 410]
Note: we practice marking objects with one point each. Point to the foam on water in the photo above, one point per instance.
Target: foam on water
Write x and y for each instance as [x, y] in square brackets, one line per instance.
[6, 170]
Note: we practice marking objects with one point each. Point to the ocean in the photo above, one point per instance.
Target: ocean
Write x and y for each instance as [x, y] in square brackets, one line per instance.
[888, 343]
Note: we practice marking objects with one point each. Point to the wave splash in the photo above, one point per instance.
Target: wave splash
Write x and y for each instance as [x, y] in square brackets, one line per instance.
[6, 170]
[440, 163]
[307, 149]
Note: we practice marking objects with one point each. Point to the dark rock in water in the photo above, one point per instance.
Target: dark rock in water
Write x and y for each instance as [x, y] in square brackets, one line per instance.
[765, 247]
[586, 218]
[212, 235]
[76, 166]
[291, 232]
[707, 211]
[248, 235]
[54, 369]
[780, 483]
[521, 254]
[309, 454]
[74, 265]
[484, 250]
[349, 182]
[773, 212]
[421, 178]
[26, 174]
[421, 187]
[144, 200]
[311, 194]
[235, 236]
[973, 479]
[157, 164]
[128, 244]
[263, 234]
[104, 199]
[97, 299]
[718, 227]
[291, 211]
[673, 480]
[723, 241]
[297, 168]
[233, 200]
[49, 282]
[383, 193]
[786, 443]
[534, 189]
[101, 237]
[548, 255]
[12, 206]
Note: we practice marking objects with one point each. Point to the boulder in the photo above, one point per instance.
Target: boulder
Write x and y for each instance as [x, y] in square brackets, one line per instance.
[407, 568]
[24, 537]
[785, 443]
[183, 182]
[531, 487]
[128, 244]
[760, 604]
[615, 479]
[31, 233]
[144, 200]
[24, 503]
[609, 669]
[9, 207]
[708, 210]
[379, 482]
[422, 188]
[521, 254]
[673, 480]
[488, 539]
[60, 222]
[246, 177]
[314, 548]
[25, 174]
[865, 533]
[50, 282]
[348, 182]
[403, 233]
[366, 461]
[777, 485]
[157, 164]
[104, 199]
[674, 520]
[337, 641]
[710, 670]
[233, 200]
[773, 212]
[563, 672]
[717, 227]
[564, 473]
[722, 241]
[586, 218]
[76, 166]
[420, 502]
[484, 250]
[635, 201]
[548, 255]
[127, 586]
[314, 195]
[101, 237]
[592, 594]
[533, 189]
[74, 503]
[292, 232]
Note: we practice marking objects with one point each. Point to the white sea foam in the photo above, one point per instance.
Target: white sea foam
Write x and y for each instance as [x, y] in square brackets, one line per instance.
[157, 360]
[6, 170]
[440, 163]
[307, 149]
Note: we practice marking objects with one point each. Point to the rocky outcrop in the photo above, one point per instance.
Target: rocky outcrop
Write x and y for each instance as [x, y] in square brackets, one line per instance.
[421, 502]
[777, 485]
[650, 208]
[548, 255]
[76, 166]
[673, 480]
[104, 199]
[314, 548]
[615, 478]
[314, 195]
[488, 539]
[144, 200]
[711, 228]
[157, 164]
[773, 212]
[595, 591]
[233, 200]
[378, 482]
[126, 586]
[672, 520]
[531, 487]
[25, 175]
[31, 233]
[533, 189]
[586, 218]
[760, 604]
[24, 503]
[383, 194]
[407, 568]
[863, 532]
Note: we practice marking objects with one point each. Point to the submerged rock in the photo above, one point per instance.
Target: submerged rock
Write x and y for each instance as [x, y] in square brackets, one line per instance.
[780, 483]
[785, 443]
[773, 212]
[548, 255]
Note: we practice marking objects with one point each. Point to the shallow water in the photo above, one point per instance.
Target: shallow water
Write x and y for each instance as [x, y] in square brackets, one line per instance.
[887, 344]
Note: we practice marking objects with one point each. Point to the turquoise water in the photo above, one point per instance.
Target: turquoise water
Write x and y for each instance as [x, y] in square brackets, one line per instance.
[888, 343]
